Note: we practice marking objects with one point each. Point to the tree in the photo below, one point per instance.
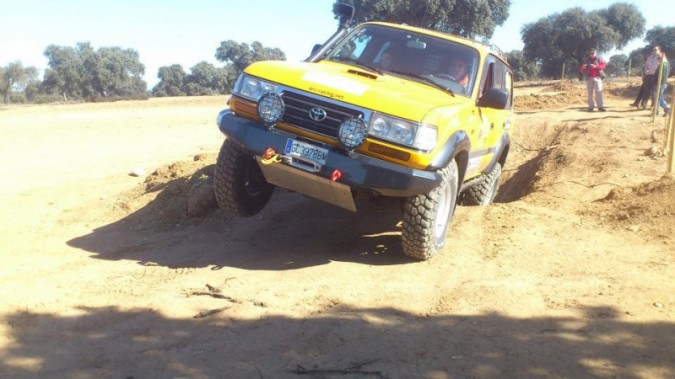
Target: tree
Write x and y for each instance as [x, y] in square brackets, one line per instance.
[120, 72]
[626, 20]
[83, 72]
[662, 36]
[64, 75]
[568, 36]
[617, 65]
[171, 81]
[238, 56]
[206, 79]
[15, 76]
[468, 18]
[91, 84]
[522, 68]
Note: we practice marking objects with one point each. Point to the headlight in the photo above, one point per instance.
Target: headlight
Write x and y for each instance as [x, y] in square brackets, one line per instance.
[352, 133]
[420, 136]
[270, 108]
[252, 88]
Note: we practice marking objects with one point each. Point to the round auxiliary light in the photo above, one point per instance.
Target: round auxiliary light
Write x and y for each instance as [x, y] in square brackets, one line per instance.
[270, 108]
[352, 133]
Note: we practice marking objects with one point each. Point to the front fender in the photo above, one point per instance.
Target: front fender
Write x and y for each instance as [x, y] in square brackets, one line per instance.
[456, 147]
[458, 142]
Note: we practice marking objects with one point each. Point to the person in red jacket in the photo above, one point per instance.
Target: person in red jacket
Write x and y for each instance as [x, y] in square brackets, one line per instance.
[592, 70]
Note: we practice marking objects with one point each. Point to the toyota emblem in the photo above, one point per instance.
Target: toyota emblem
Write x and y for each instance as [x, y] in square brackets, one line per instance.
[317, 114]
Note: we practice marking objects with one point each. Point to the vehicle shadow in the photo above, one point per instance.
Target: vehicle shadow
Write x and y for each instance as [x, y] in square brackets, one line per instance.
[291, 232]
[343, 341]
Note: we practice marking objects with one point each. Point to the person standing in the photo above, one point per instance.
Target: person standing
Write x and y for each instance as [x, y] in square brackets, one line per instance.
[591, 69]
[636, 103]
[650, 77]
[664, 67]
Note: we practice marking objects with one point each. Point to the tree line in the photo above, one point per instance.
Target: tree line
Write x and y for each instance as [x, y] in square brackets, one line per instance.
[207, 79]
[564, 39]
[85, 73]
[550, 43]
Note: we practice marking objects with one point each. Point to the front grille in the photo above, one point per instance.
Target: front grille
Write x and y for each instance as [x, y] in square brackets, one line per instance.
[297, 113]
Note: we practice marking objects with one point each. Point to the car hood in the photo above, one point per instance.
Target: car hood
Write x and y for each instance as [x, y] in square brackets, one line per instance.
[385, 93]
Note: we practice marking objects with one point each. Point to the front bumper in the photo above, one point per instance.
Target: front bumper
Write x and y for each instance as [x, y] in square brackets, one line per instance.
[359, 172]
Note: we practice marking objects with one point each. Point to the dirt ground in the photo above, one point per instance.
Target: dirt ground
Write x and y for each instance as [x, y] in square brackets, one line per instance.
[570, 274]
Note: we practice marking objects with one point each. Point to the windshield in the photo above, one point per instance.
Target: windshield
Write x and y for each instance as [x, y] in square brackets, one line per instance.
[434, 61]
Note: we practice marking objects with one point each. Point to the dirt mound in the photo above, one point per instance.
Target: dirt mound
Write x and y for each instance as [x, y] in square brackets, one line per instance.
[569, 92]
[552, 96]
[171, 194]
[648, 207]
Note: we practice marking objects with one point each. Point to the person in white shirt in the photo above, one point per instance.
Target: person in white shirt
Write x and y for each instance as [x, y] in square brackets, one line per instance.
[649, 78]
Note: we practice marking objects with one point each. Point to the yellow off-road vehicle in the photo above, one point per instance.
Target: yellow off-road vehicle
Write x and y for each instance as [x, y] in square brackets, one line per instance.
[375, 110]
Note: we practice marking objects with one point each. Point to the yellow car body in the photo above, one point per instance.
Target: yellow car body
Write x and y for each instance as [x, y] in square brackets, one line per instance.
[344, 122]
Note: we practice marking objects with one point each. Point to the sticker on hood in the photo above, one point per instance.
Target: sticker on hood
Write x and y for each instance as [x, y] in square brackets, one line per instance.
[338, 83]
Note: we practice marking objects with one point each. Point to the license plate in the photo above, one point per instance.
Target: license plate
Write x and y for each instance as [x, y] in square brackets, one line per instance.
[306, 151]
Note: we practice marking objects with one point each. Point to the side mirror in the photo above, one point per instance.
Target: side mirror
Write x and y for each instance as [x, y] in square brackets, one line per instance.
[345, 12]
[494, 98]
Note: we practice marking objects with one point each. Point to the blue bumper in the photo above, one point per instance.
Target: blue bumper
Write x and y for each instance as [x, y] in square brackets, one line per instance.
[359, 173]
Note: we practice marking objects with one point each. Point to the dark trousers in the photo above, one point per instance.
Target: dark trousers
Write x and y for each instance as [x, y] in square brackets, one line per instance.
[640, 92]
[647, 89]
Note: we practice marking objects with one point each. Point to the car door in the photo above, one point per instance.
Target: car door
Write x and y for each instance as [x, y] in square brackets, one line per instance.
[495, 123]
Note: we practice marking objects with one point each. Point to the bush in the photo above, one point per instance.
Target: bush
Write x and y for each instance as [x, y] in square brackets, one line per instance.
[47, 99]
[110, 99]
[17, 98]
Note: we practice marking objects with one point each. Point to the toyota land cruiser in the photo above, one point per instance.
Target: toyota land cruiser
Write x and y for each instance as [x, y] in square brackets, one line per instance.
[375, 110]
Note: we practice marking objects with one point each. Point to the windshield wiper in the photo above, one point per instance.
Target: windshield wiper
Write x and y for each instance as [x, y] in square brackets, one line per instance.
[356, 62]
[425, 79]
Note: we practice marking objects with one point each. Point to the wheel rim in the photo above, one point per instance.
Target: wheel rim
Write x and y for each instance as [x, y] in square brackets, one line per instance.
[444, 208]
[254, 181]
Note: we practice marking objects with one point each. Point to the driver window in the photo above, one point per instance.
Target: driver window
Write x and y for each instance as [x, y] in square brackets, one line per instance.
[498, 76]
[489, 78]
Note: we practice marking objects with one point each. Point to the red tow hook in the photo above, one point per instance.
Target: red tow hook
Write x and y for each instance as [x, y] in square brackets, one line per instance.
[269, 153]
[336, 176]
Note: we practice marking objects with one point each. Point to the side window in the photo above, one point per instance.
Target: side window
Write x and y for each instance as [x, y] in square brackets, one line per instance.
[508, 86]
[354, 48]
[497, 75]
[488, 77]
[499, 71]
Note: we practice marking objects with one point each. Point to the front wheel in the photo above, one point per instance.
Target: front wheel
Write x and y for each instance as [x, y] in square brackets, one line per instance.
[426, 217]
[239, 184]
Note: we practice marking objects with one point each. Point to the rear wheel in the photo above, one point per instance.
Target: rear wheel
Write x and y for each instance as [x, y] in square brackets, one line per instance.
[239, 185]
[426, 217]
[484, 192]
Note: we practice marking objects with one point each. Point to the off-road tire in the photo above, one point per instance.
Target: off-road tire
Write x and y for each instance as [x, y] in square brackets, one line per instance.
[426, 217]
[239, 185]
[484, 192]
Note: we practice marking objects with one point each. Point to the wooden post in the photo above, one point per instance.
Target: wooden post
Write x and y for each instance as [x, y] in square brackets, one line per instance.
[562, 77]
[628, 74]
[657, 93]
[670, 140]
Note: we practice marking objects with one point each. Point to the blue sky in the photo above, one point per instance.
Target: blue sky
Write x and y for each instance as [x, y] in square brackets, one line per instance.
[186, 32]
